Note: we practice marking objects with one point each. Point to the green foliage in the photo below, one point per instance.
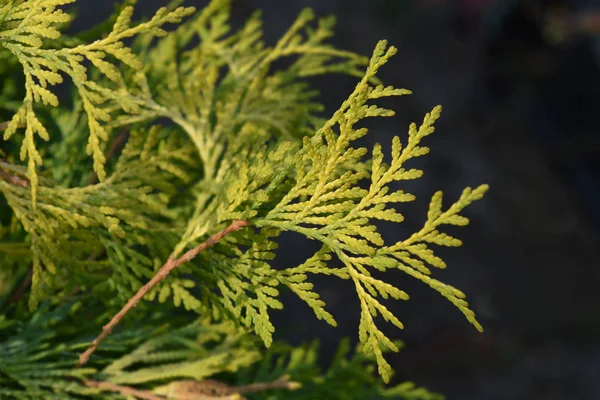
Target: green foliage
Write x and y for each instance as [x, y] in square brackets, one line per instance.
[322, 199]
[240, 140]
[29, 363]
[33, 366]
[26, 26]
[349, 375]
[71, 226]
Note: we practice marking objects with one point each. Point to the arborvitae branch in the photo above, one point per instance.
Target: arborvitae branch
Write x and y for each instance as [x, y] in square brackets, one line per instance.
[162, 273]
[246, 146]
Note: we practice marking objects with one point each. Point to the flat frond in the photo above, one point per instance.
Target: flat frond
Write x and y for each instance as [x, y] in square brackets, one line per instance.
[326, 204]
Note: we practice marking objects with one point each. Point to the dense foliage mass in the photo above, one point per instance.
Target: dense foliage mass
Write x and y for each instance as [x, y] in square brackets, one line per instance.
[199, 152]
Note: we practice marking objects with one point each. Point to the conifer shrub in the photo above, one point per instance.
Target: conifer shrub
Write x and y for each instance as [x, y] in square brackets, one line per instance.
[148, 167]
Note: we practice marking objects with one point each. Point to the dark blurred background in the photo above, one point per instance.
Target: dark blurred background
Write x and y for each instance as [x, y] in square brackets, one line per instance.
[520, 86]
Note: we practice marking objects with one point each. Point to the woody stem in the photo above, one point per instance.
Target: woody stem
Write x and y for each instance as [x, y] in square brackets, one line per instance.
[162, 273]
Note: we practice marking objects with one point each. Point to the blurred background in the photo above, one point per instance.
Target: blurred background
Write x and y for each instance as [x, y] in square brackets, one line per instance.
[520, 84]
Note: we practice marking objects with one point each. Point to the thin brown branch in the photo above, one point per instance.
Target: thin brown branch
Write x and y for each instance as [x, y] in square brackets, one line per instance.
[124, 390]
[281, 383]
[15, 180]
[210, 389]
[13, 174]
[162, 273]
[4, 125]
[19, 291]
[206, 389]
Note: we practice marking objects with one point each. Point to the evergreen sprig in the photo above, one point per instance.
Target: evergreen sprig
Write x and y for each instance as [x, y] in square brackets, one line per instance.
[70, 225]
[139, 359]
[26, 26]
[186, 215]
[348, 376]
[327, 204]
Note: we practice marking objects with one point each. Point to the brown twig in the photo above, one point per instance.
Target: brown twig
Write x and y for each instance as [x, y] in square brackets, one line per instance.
[206, 389]
[4, 125]
[19, 291]
[124, 390]
[162, 273]
[11, 173]
[281, 383]
[15, 180]
[210, 389]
